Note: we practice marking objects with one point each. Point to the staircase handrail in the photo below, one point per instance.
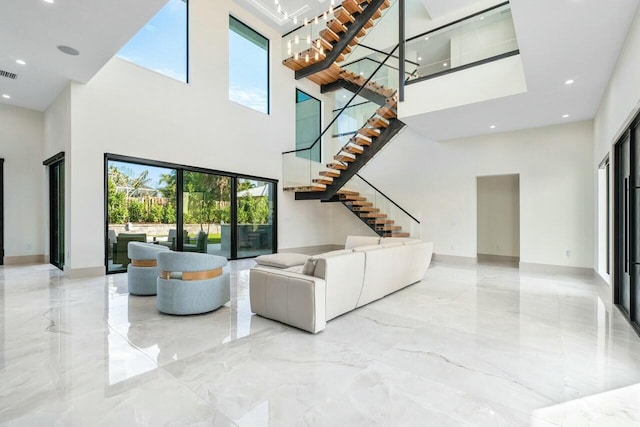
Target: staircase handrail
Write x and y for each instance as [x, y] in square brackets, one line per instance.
[387, 197]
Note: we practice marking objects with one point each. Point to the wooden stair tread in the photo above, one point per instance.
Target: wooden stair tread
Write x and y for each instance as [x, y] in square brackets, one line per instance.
[378, 122]
[358, 203]
[370, 132]
[324, 180]
[336, 26]
[343, 158]
[400, 234]
[348, 192]
[331, 173]
[361, 140]
[344, 16]
[387, 112]
[352, 197]
[380, 221]
[336, 166]
[352, 6]
[373, 215]
[329, 35]
[353, 149]
[365, 209]
[388, 228]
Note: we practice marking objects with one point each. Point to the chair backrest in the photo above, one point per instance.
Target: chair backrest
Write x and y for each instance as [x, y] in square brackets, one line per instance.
[201, 243]
[121, 254]
[111, 234]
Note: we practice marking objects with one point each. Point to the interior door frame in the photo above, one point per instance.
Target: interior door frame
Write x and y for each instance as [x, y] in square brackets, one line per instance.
[50, 163]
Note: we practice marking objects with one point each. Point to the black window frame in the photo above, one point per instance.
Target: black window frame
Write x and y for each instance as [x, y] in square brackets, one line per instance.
[319, 124]
[239, 21]
[180, 169]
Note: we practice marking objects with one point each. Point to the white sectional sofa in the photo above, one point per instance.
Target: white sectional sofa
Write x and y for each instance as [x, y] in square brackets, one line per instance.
[325, 286]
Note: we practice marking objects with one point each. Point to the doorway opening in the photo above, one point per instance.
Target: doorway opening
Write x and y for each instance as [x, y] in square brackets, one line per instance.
[498, 219]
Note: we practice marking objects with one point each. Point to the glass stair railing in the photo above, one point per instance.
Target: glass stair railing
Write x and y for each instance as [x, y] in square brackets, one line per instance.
[368, 126]
[379, 212]
[322, 43]
[482, 37]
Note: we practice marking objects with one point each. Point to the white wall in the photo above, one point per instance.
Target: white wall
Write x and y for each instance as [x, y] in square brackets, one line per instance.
[499, 215]
[496, 79]
[128, 110]
[620, 103]
[437, 183]
[21, 139]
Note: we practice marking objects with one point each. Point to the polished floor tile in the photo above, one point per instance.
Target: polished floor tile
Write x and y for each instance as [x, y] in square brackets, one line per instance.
[467, 346]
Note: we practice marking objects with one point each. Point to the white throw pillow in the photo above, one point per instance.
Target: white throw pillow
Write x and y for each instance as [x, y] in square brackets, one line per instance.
[282, 260]
[309, 267]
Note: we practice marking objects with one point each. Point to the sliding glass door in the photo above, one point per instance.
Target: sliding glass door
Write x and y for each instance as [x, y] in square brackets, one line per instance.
[255, 207]
[141, 207]
[206, 213]
[185, 209]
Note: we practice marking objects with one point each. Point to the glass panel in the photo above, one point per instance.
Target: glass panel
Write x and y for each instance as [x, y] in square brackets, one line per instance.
[207, 213]
[141, 206]
[248, 67]
[379, 212]
[308, 123]
[255, 217]
[475, 39]
[161, 45]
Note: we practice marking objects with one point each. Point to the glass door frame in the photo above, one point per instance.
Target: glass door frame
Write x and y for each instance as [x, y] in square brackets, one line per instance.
[620, 239]
[180, 169]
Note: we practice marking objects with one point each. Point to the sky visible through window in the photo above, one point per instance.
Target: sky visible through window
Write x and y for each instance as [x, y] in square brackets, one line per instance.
[248, 67]
[161, 45]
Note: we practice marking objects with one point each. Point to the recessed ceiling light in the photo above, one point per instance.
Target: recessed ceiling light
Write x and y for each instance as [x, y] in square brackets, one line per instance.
[569, 82]
[419, 58]
[492, 127]
[481, 18]
[445, 64]
[21, 62]
[68, 50]
[48, 1]
[5, 96]
[426, 38]
[344, 96]
[565, 116]
[362, 73]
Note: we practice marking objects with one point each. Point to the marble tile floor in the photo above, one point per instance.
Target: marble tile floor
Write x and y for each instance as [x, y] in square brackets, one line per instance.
[467, 346]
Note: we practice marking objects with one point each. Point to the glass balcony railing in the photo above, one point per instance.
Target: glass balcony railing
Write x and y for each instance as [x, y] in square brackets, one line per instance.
[479, 38]
[387, 216]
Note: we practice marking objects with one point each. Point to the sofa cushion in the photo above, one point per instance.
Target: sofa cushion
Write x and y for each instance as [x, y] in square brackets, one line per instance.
[392, 244]
[333, 253]
[367, 248]
[386, 240]
[309, 267]
[295, 269]
[355, 241]
[282, 260]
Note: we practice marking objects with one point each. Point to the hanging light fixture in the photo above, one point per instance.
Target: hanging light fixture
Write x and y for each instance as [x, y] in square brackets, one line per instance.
[297, 39]
[296, 56]
[306, 58]
[325, 15]
[318, 44]
[295, 20]
[317, 55]
[308, 38]
[315, 21]
[279, 9]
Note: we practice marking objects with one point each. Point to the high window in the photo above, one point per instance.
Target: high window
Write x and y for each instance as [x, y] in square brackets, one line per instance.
[308, 122]
[162, 44]
[248, 67]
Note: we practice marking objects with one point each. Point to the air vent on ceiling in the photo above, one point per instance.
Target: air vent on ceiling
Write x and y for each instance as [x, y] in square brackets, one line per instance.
[8, 75]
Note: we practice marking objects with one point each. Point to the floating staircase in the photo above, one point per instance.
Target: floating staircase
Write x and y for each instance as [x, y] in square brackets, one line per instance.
[320, 64]
[370, 215]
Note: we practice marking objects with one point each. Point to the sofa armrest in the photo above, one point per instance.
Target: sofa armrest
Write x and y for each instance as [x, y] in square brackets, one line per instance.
[291, 298]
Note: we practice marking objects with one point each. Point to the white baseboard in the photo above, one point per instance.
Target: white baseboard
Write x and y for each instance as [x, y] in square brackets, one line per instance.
[498, 258]
[453, 259]
[80, 273]
[530, 267]
[24, 259]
